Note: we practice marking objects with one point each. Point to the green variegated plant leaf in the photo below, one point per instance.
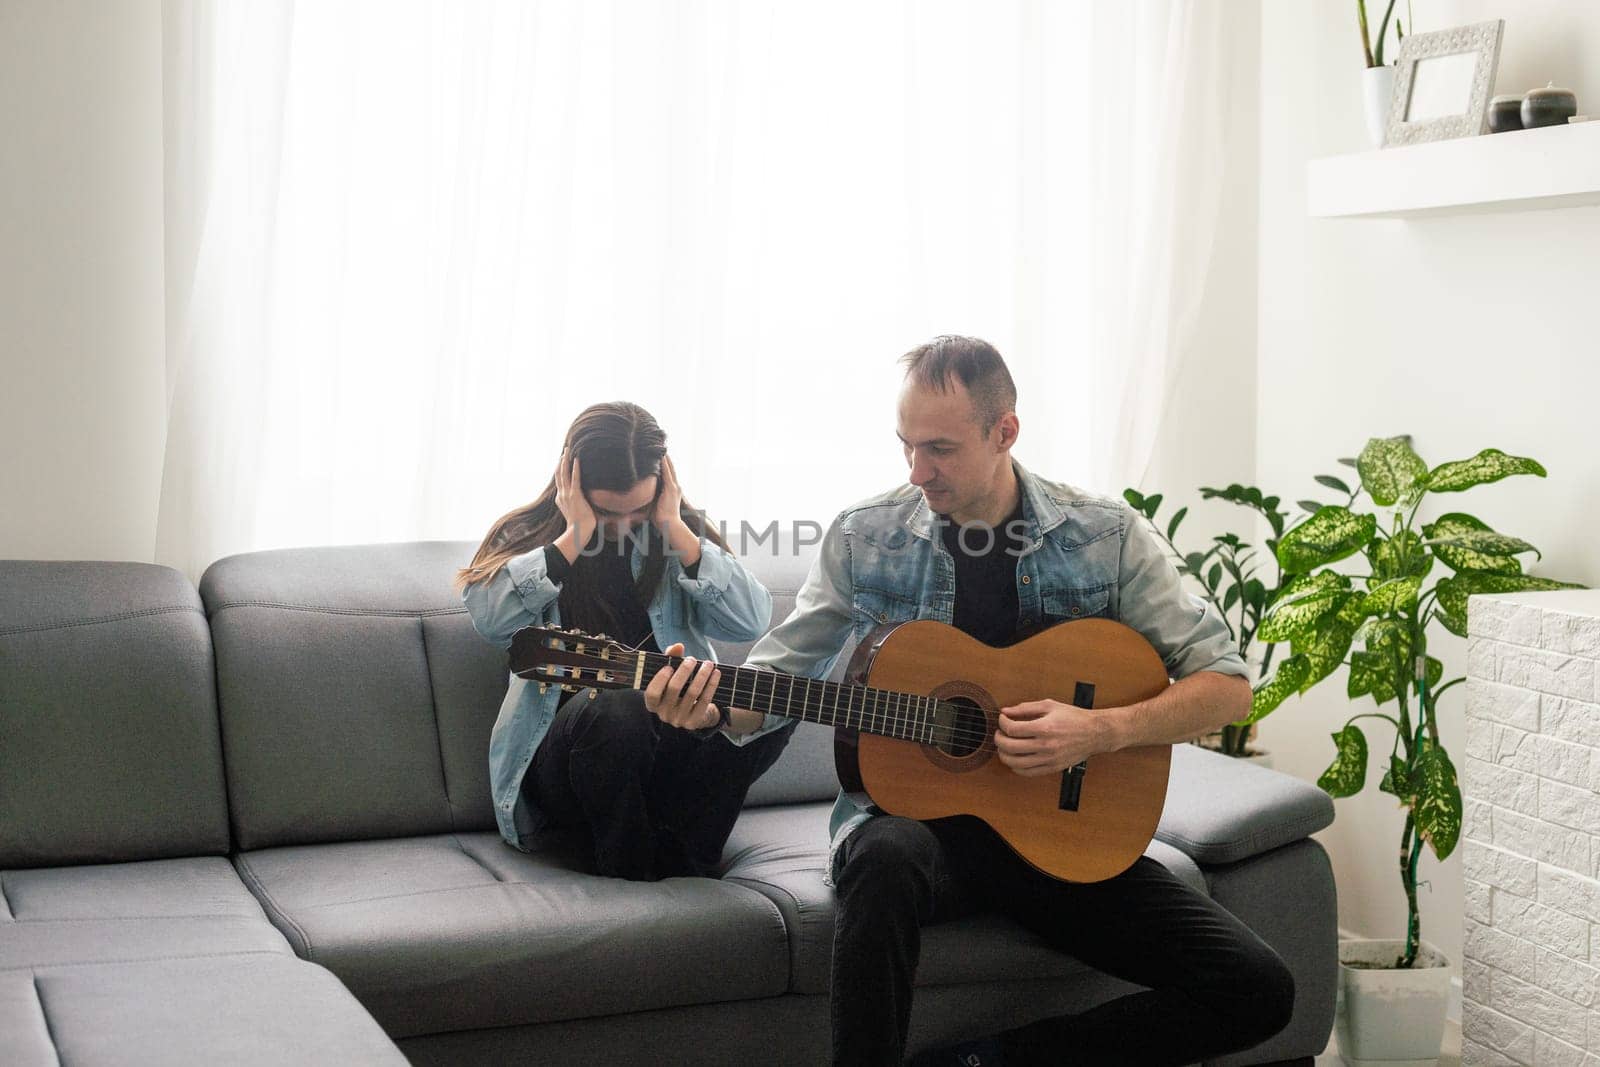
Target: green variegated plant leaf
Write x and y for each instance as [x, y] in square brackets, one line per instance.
[1399, 594]
[1348, 772]
[1465, 543]
[1370, 673]
[1284, 684]
[1453, 593]
[1391, 472]
[1301, 602]
[1353, 610]
[1395, 773]
[1435, 798]
[1384, 668]
[1400, 556]
[1332, 534]
[1324, 648]
[1487, 466]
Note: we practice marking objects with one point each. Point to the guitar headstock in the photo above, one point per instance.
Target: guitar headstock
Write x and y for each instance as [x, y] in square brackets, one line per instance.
[572, 659]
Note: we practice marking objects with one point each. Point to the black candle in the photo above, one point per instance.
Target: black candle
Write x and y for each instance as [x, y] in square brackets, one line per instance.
[1548, 107]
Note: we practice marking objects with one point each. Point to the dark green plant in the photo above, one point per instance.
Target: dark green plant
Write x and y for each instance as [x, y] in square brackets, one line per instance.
[1385, 614]
[1226, 574]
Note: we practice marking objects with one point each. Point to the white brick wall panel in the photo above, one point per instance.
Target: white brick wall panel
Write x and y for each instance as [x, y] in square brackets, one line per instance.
[1563, 762]
[1476, 1055]
[1483, 658]
[1476, 901]
[1496, 1031]
[1548, 672]
[1541, 1009]
[1501, 620]
[1568, 806]
[1506, 871]
[1575, 634]
[1487, 699]
[1546, 927]
[1502, 786]
[1480, 739]
[1566, 978]
[1498, 950]
[1574, 721]
[1568, 892]
[1545, 842]
[1477, 819]
[1550, 1052]
[1475, 978]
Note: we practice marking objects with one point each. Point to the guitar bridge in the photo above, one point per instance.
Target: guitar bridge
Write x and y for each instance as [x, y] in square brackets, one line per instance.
[1072, 777]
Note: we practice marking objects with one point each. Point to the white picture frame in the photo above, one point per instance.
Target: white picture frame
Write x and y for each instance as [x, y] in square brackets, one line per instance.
[1442, 83]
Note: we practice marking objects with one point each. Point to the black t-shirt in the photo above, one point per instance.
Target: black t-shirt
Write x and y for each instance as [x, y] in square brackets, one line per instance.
[612, 575]
[986, 576]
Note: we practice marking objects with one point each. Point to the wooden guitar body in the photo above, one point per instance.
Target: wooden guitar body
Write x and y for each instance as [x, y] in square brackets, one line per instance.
[1082, 830]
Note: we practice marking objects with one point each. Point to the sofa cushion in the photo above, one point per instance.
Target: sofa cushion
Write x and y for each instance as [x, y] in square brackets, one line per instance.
[108, 721]
[356, 699]
[803, 774]
[461, 931]
[782, 852]
[263, 1009]
[1222, 810]
[129, 911]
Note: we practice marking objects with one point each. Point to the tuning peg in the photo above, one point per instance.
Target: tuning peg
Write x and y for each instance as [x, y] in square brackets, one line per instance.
[593, 693]
[570, 688]
[544, 687]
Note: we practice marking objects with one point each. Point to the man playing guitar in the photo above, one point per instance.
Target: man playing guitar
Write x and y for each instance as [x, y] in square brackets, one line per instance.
[978, 542]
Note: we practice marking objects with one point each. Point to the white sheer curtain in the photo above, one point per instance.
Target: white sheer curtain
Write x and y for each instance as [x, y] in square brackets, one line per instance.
[408, 242]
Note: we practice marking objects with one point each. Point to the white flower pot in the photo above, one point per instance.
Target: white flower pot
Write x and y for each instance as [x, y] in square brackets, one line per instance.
[1389, 1017]
[1377, 85]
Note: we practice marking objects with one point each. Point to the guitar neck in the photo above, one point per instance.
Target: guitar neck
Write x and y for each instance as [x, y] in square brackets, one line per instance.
[905, 716]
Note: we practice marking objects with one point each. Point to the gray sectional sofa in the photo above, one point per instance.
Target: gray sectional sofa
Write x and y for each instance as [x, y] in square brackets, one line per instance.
[251, 823]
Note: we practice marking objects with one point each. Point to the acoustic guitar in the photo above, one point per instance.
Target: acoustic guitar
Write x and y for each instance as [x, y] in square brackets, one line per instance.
[914, 726]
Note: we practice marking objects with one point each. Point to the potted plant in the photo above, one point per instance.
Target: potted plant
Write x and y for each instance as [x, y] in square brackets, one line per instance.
[1226, 576]
[1374, 618]
[1378, 78]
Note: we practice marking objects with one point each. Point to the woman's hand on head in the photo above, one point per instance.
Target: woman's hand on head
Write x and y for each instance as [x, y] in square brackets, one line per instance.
[669, 498]
[574, 506]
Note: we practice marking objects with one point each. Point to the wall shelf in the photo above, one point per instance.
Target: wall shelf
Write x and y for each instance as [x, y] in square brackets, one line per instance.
[1525, 170]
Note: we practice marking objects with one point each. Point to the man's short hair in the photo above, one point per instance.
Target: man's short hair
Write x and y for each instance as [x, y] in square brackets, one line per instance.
[972, 362]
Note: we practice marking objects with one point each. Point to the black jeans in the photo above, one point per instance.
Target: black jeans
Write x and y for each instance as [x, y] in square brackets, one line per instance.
[655, 801]
[1213, 985]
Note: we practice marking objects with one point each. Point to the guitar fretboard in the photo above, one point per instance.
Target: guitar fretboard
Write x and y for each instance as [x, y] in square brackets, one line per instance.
[906, 716]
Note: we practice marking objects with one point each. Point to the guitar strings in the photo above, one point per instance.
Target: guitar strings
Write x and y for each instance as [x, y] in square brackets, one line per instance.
[918, 717]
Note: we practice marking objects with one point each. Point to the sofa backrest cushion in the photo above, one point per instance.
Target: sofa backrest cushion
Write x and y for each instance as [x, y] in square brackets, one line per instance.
[356, 699]
[805, 771]
[108, 722]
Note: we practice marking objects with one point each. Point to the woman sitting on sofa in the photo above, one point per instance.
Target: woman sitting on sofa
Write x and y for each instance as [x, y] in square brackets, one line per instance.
[655, 779]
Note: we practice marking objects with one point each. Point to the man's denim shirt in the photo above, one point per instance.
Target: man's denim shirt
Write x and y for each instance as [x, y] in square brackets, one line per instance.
[883, 561]
[722, 602]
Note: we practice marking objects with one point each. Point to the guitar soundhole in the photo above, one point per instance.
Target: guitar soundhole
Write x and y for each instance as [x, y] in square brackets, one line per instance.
[960, 727]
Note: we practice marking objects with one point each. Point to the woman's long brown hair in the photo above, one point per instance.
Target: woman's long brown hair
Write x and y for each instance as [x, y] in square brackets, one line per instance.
[618, 444]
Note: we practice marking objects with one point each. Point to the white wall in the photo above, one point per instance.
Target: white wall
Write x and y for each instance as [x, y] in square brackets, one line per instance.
[1467, 333]
[81, 331]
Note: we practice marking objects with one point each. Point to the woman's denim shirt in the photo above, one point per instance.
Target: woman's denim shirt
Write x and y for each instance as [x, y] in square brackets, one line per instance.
[722, 602]
[883, 561]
